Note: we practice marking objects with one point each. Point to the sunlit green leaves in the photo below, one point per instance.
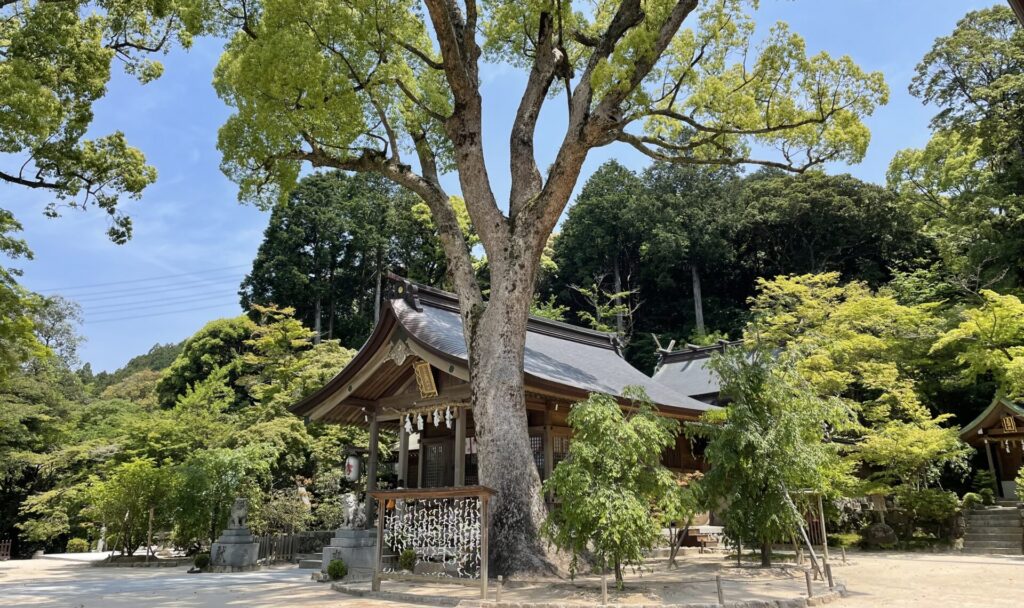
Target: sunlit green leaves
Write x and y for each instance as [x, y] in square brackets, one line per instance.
[55, 62]
[612, 480]
[990, 340]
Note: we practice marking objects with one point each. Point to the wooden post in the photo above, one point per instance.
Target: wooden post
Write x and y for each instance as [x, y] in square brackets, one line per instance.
[604, 584]
[149, 535]
[824, 534]
[828, 575]
[403, 454]
[992, 467]
[810, 585]
[549, 446]
[497, 591]
[371, 466]
[379, 562]
[843, 549]
[718, 584]
[460, 446]
[485, 553]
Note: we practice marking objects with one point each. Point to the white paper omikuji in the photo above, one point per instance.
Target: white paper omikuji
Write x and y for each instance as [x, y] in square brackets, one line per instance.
[437, 417]
[439, 530]
[408, 424]
[419, 421]
[448, 417]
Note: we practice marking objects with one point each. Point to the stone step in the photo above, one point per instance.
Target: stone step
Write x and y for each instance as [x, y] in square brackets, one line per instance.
[983, 536]
[992, 551]
[992, 545]
[1012, 519]
[999, 526]
[302, 556]
[310, 564]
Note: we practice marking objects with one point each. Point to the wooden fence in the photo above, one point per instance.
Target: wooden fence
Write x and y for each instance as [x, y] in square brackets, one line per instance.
[5, 550]
[286, 547]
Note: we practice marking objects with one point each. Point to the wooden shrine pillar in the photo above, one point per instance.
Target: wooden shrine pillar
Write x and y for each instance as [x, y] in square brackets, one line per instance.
[371, 466]
[403, 454]
[992, 467]
[549, 448]
[460, 446]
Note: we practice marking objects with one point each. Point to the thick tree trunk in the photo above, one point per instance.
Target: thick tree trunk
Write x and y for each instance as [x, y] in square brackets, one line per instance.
[698, 301]
[497, 338]
[766, 555]
[316, 323]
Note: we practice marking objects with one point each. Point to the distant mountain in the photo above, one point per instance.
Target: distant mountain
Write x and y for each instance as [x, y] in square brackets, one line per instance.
[157, 359]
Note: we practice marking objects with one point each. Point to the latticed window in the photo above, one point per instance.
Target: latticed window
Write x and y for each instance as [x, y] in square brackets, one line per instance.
[559, 449]
[537, 446]
[436, 463]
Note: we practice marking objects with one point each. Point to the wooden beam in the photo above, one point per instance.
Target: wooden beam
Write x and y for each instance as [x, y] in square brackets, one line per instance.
[371, 466]
[403, 456]
[412, 400]
[1018, 8]
[549, 448]
[460, 447]
[345, 391]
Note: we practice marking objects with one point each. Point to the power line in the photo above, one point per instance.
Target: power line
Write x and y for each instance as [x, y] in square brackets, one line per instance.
[115, 307]
[156, 314]
[155, 278]
[109, 294]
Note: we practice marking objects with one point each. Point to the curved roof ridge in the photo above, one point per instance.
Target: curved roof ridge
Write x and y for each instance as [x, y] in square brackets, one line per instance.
[416, 295]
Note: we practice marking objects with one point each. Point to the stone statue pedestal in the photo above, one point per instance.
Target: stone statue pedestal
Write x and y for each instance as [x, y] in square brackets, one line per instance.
[357, 548]
[237, 549]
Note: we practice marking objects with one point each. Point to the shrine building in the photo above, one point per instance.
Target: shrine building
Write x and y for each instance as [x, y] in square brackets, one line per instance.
[999, 433]
[411, 377]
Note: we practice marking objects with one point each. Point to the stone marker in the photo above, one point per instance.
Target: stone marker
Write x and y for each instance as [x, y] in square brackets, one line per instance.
[237, 549]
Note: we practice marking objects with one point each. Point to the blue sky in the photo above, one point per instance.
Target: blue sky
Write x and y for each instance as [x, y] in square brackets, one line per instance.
[193, 241]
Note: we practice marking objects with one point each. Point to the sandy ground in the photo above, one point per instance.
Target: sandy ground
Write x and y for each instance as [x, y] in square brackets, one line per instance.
[910, 580]
[915, 580]
[69, 582]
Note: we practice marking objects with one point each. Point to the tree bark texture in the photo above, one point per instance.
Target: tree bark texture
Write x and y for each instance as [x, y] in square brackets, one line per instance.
[698, 301]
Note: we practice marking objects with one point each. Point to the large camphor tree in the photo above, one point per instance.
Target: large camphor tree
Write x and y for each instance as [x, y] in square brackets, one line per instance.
[395, 87]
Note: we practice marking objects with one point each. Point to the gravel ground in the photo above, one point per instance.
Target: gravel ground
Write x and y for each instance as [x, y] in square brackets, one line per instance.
[910, 580]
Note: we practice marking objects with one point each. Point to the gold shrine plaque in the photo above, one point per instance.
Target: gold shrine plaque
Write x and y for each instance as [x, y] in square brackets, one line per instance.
[1009, 424]
[425, 380]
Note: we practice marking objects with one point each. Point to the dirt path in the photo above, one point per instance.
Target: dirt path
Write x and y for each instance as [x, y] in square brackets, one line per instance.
[915, 580]
[903, 580]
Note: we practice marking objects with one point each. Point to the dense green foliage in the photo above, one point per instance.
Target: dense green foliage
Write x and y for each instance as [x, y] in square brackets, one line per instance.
[689, 244]
[76, 462]
[331, 246]
[967, 183]
[769, 443]
[612, 482]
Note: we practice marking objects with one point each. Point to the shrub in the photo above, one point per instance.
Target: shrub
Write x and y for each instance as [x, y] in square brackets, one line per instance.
[407, 560]
[337, 569]
[1020, 484]
[78, 545]
[988, 496]
[984, 478]
[844, 539]
[971, 500]
[928, 505]
[929, 509]
[202, 561]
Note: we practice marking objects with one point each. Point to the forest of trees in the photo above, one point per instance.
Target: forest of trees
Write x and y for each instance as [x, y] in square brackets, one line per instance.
[898, 301]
